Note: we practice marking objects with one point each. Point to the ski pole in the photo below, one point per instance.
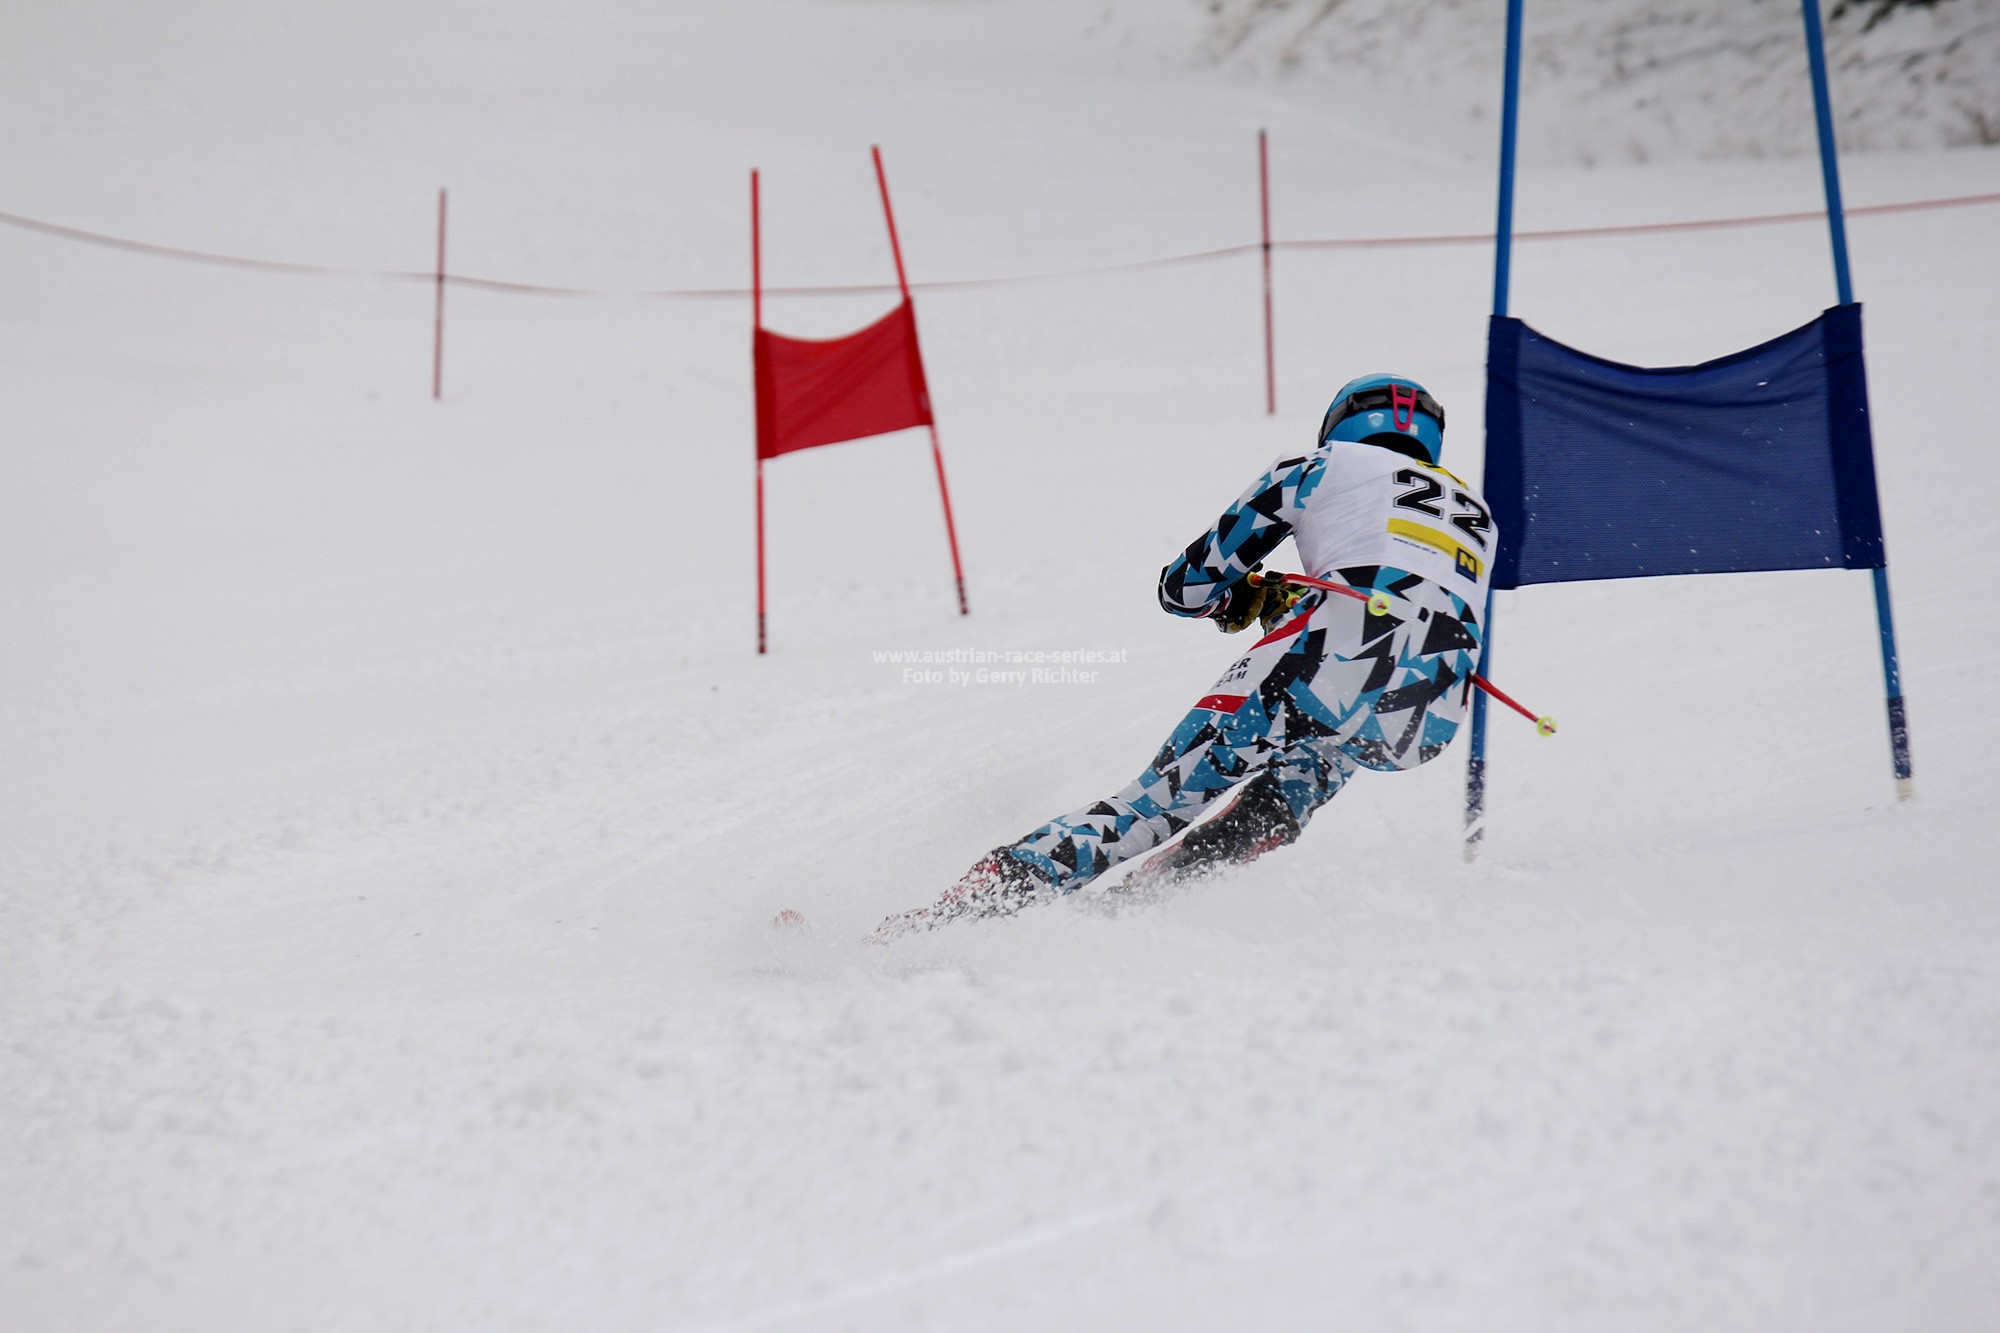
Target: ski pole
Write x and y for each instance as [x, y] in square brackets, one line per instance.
[1378, 605]
[1378, 602]
[1544, 724]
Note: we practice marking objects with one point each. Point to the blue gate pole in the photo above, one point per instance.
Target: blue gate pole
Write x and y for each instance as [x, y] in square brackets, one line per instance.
[1829, 161]
[1836, 221]
[1503, 254]
[1510, 121]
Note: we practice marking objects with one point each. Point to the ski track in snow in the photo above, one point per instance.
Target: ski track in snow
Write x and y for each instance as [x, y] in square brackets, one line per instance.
[394, 807]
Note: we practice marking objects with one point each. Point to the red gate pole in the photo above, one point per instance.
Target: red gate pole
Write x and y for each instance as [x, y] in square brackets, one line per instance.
[437, 332]
[937, 454]
[950, 531]
[757, 325]
[760, 555]
[1270, 356]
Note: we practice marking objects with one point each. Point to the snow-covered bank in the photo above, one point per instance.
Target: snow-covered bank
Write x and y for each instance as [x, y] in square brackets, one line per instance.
[1629, 81]
[393, 805]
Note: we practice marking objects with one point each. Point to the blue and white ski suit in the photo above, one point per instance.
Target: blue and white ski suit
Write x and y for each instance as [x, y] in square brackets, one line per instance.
[1333, 687]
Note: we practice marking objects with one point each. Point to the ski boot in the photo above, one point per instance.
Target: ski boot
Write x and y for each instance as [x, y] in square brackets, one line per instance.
[1256, 821]
[999, 885]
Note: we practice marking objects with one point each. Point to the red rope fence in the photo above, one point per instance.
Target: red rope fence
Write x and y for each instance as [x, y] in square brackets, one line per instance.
[961, 284]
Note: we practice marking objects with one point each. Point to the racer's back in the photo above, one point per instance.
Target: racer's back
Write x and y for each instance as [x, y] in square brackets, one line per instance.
[1363, 505]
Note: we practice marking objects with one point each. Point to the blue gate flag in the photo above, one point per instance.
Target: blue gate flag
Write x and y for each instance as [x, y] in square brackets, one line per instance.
[1756, 461]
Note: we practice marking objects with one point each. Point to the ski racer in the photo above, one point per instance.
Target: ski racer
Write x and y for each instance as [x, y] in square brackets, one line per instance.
[1330, 688]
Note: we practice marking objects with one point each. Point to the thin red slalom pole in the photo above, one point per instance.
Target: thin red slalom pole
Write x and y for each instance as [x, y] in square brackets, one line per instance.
[937, 453]
[760, 556]
[895, 246]
[437, 331]
[757, 324]
[950, 529]
[1270, 353]
[1378, 602]
[756, 257]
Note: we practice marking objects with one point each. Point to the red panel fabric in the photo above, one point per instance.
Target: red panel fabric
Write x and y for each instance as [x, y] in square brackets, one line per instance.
[813, 392]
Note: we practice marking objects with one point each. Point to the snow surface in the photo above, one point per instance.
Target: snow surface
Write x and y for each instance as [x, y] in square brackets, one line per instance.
[1640, 81]
[394, 805]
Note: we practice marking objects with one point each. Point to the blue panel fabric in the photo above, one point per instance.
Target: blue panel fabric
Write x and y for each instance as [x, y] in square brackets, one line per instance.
[1756, 461]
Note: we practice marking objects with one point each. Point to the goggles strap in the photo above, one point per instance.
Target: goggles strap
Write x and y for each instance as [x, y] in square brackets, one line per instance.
[1402, 401]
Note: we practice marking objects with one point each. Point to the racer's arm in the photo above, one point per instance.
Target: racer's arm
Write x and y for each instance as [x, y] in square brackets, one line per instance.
[1199, 581]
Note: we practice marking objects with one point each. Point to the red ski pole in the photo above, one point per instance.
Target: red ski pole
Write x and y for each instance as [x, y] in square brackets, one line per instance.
[1379, 604]
[1544, 724]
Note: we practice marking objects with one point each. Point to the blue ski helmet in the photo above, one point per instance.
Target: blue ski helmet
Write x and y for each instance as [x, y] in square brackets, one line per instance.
[1393, 411]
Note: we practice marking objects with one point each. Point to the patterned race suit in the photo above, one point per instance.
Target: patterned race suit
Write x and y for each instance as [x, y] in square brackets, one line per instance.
[1332, 688]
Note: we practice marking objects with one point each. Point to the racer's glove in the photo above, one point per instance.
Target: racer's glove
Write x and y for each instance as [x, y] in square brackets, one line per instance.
[1264, 598]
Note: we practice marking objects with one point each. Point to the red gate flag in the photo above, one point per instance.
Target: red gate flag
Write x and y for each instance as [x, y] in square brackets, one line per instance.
[822, 391]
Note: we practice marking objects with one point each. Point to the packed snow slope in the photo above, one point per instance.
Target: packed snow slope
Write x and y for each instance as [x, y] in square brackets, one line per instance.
[1638, 81]
[393, 802]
